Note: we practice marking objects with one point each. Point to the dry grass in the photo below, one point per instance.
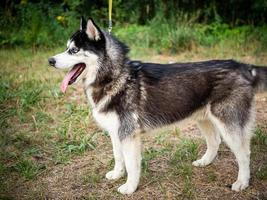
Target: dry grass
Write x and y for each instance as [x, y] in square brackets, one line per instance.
[52, 149]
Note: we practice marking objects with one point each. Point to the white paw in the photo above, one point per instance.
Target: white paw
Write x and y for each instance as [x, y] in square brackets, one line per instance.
[113, 175]
[201, 163]
[126, 189]
[239, 185]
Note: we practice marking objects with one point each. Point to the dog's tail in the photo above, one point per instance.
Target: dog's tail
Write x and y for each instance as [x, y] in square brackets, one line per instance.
[260, 78]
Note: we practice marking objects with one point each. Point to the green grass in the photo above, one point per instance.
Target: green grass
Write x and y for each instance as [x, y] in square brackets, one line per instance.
[261, 174]
[259, 144]
[260, 137]
[211, 176]
[149, 154]
[182, 160]
[183, 157]
[28, 168]
[92, 177]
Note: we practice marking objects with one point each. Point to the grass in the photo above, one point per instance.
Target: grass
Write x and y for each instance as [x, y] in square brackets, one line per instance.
[211, 176]
[259, 143]
[262, 173]
[260, 137]
[42, 130]
[182, 162]
[28, 169]
[149, 155]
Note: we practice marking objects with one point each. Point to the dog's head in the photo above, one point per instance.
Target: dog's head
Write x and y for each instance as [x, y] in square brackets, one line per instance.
[84, 48]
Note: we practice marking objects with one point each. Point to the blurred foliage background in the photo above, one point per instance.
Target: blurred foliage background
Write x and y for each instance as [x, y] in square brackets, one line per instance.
[172, 26]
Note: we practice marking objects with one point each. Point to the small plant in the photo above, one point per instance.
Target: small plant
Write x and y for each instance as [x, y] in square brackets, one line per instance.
[2, 168]
[92, 177]
[28, 168]
[211, 176]
[182, 162]
[259, 144]
[181, 39]
[261, 174]
[162, 137]
[186, 152]
[29, 94]
[148, 155]
[260, 137]
[188, 189]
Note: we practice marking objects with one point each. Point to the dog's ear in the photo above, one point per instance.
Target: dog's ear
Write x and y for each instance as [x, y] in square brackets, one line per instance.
[82, 23]
[93, 32]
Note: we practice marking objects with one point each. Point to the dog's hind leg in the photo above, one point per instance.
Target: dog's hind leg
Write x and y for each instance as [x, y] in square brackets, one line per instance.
[213, 141]
[241, 149]
[119, 167]
[238, 140]
[131, 148]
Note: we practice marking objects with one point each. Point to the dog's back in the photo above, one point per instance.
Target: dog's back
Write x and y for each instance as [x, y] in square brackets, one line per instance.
[174, 91]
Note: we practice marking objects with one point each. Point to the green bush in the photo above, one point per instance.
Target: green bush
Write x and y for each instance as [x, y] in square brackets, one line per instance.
[38, 24]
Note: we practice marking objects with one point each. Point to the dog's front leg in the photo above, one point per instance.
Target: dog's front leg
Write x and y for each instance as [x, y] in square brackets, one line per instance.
[131, 149]
[119, 167]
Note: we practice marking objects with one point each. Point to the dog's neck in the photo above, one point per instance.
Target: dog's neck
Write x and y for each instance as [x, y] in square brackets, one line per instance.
[104, 81]
[104, 87]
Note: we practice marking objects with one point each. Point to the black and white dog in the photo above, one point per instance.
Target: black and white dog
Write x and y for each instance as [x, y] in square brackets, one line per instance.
[129, 97]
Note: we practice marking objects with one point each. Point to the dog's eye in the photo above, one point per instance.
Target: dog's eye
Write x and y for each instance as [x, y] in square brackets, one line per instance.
[74, 50]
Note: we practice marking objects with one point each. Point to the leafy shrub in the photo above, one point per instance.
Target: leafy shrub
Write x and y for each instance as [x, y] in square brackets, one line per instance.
[39, 24]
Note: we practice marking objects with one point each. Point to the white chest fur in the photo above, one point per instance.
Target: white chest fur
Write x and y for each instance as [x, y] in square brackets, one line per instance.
[108, 121]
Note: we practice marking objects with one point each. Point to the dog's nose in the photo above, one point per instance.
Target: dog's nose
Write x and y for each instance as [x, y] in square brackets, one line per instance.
[52, 61]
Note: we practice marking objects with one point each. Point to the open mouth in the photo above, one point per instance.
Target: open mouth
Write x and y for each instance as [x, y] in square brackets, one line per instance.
[72, 76]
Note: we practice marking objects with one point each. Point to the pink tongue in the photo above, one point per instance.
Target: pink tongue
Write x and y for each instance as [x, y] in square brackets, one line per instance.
[67, 78]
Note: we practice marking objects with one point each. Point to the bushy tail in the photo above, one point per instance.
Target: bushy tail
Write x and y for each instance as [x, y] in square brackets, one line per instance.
[260, 78]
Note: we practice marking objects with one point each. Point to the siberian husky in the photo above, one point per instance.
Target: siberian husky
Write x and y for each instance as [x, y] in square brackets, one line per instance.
[130, 97]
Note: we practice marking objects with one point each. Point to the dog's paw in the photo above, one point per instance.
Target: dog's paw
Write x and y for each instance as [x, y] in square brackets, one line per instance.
[113, 175]
[201, 163]
[126, 189]
[239, 185]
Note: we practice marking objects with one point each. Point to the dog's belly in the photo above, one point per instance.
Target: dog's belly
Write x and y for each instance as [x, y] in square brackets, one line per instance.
[109, 121]
[198, 115]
